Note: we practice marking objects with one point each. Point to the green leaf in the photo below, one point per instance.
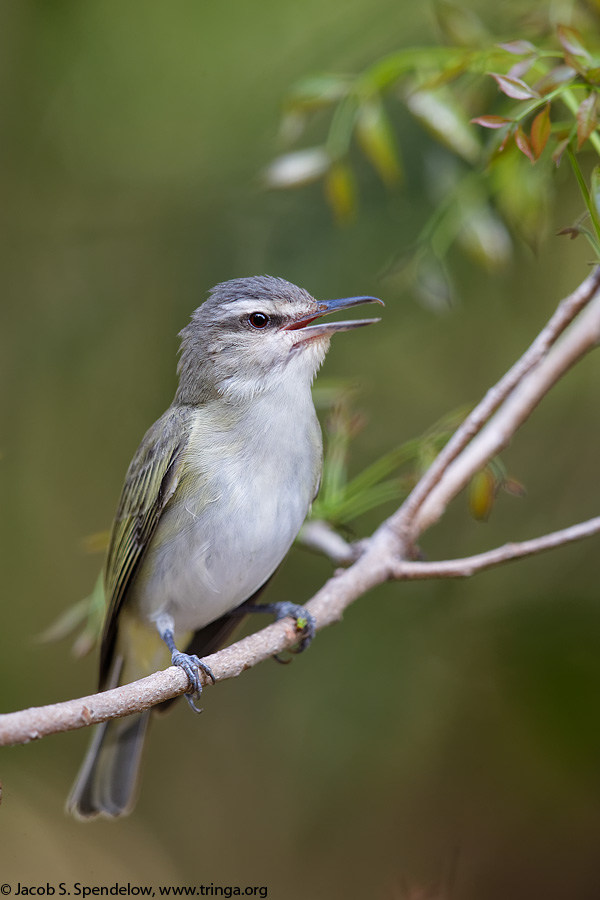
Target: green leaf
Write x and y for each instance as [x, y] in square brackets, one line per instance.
[540, 131]
[458, 25]
[318, 91]
[587, 118]
[376, 139]
[340, 191]
[87, 614]
[440, 113]
[432, 283]
[481, 495]
[523, 194]
[483, 235]
[514, 87]
[297, 169]
[595, 189]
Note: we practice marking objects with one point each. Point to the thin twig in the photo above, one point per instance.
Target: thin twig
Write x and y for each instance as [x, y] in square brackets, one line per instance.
[319, 536]
[469, 565]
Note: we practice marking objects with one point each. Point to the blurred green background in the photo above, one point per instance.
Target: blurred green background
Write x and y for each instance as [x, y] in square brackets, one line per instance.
[445, 738]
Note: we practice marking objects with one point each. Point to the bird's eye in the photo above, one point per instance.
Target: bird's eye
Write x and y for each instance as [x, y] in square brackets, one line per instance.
[258, 320]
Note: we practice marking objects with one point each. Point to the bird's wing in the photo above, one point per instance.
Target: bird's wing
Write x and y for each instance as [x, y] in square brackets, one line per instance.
[149, 485]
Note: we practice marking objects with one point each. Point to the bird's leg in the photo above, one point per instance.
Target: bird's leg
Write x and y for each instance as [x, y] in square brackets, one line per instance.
[190, 663]
[306, 623]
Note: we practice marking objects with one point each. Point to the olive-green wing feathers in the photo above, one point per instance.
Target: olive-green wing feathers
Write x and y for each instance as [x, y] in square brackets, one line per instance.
[149, 485]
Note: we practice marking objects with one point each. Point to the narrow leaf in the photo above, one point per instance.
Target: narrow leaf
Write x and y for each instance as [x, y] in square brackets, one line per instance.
[518, 48]
[482, 493]
[376, 139]
[440, 113]
[491, 121]
[559, 151]
[514, 87]
[340, 190]
[521, 68]
[553, 79]
[522, 142]
[572, 42]
[540, 131]
[317, 91]
[482, 234]
[595, 189]
[587, 118]
[573, 231]
[296, 169]
[458, 25]
[513, 487]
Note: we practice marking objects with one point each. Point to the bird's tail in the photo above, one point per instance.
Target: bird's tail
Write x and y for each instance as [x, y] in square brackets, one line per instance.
[108, 779]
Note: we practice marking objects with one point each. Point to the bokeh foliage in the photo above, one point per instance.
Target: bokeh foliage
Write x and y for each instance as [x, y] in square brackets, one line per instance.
[438, 723]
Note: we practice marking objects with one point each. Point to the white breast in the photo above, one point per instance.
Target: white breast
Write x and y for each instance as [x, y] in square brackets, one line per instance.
[250, 479]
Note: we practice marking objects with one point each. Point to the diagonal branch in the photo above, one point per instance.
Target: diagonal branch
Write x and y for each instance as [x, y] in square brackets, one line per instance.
[504, 408]
[402, 522]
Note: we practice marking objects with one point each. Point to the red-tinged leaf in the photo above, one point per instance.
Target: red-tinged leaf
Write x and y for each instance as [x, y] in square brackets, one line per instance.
[507, 137]
[559, 151]
[572, 42]
[491, 121]
[513, 487]
[553, 79]
[522, 142]
[587, 118]
[540, 131]
[518, 48]
[573, 231]
[521, 68]
[595, 189]
[514, 87]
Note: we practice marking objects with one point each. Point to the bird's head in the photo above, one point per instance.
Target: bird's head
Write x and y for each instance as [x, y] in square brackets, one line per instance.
[253, 334]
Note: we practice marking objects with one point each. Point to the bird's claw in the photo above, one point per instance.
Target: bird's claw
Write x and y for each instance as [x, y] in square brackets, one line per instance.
[306, 623]
[191, 665]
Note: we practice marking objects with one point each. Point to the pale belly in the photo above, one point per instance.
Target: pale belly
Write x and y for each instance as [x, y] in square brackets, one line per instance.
[212, 551]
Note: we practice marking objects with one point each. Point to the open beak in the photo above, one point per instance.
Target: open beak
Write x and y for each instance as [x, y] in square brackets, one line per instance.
[330, 306]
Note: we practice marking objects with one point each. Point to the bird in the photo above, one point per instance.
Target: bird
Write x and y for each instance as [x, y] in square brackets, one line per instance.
[213, 499]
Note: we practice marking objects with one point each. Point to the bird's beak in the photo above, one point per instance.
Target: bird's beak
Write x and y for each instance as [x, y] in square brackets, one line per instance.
[330, 306]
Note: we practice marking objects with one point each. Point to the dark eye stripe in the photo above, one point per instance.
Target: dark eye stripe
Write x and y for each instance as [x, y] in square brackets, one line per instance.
[258, 320]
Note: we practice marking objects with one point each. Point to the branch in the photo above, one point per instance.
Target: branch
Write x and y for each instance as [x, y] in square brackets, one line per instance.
[404, 570]
[582, 337]
[319, 536]
[327, 606]
[402, 522]
[504, 408]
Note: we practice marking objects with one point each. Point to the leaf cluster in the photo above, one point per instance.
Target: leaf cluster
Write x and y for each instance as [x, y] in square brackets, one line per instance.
[484, 192]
